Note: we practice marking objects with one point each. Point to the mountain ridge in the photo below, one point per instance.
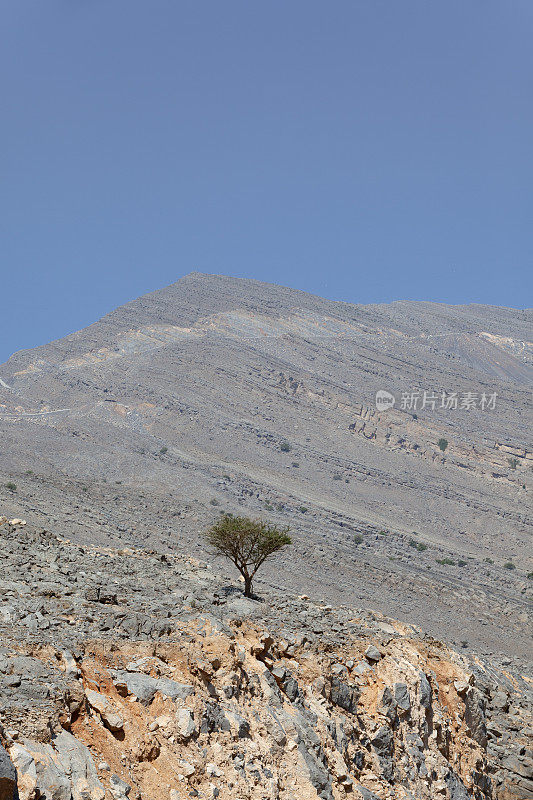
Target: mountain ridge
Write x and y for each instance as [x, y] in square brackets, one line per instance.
[196, 279]
[142, 427]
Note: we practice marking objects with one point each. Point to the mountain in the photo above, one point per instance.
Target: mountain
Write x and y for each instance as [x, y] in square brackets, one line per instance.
[222, 394]
[130, 674]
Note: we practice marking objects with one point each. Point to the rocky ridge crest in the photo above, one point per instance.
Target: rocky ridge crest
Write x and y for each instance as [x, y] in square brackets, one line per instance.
[130, 673]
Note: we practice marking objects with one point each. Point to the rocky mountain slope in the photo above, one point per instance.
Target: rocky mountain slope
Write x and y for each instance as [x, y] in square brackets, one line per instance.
[135, 674]
[223, 394]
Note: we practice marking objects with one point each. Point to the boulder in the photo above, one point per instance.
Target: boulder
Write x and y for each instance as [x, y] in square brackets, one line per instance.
[105, 709]
[344, 695]
[401, 696]
[78, 766]
[372, 653]
[8, 776]
[144, 687]
[424, 691]
[365, 794]
[475, 716]
[39, 771]
[185, 724]
[119, 788]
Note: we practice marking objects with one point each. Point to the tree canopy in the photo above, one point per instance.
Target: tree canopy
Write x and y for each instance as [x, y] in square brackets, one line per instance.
[248, 543]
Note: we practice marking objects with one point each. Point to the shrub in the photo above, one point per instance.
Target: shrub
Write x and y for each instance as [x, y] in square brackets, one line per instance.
[295, 463]
[11, 486]
[303, 509]
[420, 546]
[285, 447]
[382, 533]
[488, 560]
[247, 543]
[530, 576]
[443, 444]
[358, 538]
[447, 562]
[163, 450]
[337, 477]
[461, 563]
[214, 502]
[513, 462]
[509, 565]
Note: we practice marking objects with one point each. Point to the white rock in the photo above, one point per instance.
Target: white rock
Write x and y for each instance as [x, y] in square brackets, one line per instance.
[185, 723]
[186, 768]
[104, 707]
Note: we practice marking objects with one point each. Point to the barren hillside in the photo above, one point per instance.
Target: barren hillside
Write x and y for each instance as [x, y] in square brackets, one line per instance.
[225, 394]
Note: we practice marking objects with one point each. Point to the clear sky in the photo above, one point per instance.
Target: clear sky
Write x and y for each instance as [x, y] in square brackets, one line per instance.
[364, 150]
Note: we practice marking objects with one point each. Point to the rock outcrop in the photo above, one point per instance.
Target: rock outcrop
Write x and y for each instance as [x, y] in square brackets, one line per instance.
[127, 674]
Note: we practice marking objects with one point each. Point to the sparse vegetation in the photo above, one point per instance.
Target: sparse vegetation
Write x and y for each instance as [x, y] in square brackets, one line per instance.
[11, 486]
[420, 546]
[214, 502]
[461, 563]
[337, 477]
[163, 450]
[443, 444]
[382, 533]
[285, 447]
[358, 538]
[303, 509]
[247, 543]
[513, 462]
[509, 565]
[447, 562]
[296, 464]
[529, 576]
[488, 560]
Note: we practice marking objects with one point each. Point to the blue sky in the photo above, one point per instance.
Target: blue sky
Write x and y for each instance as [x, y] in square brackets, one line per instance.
[365, 151]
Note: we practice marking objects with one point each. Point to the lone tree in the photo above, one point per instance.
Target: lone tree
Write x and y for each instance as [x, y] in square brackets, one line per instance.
[247, 543]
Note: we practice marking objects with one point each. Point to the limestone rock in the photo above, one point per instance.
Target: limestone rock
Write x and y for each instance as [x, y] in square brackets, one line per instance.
[105, 709]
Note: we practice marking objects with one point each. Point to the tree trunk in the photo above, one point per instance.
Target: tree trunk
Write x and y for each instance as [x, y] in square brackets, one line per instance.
[248, 586]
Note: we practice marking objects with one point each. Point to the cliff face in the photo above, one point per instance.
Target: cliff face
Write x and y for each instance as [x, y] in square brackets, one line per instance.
[131, 674]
